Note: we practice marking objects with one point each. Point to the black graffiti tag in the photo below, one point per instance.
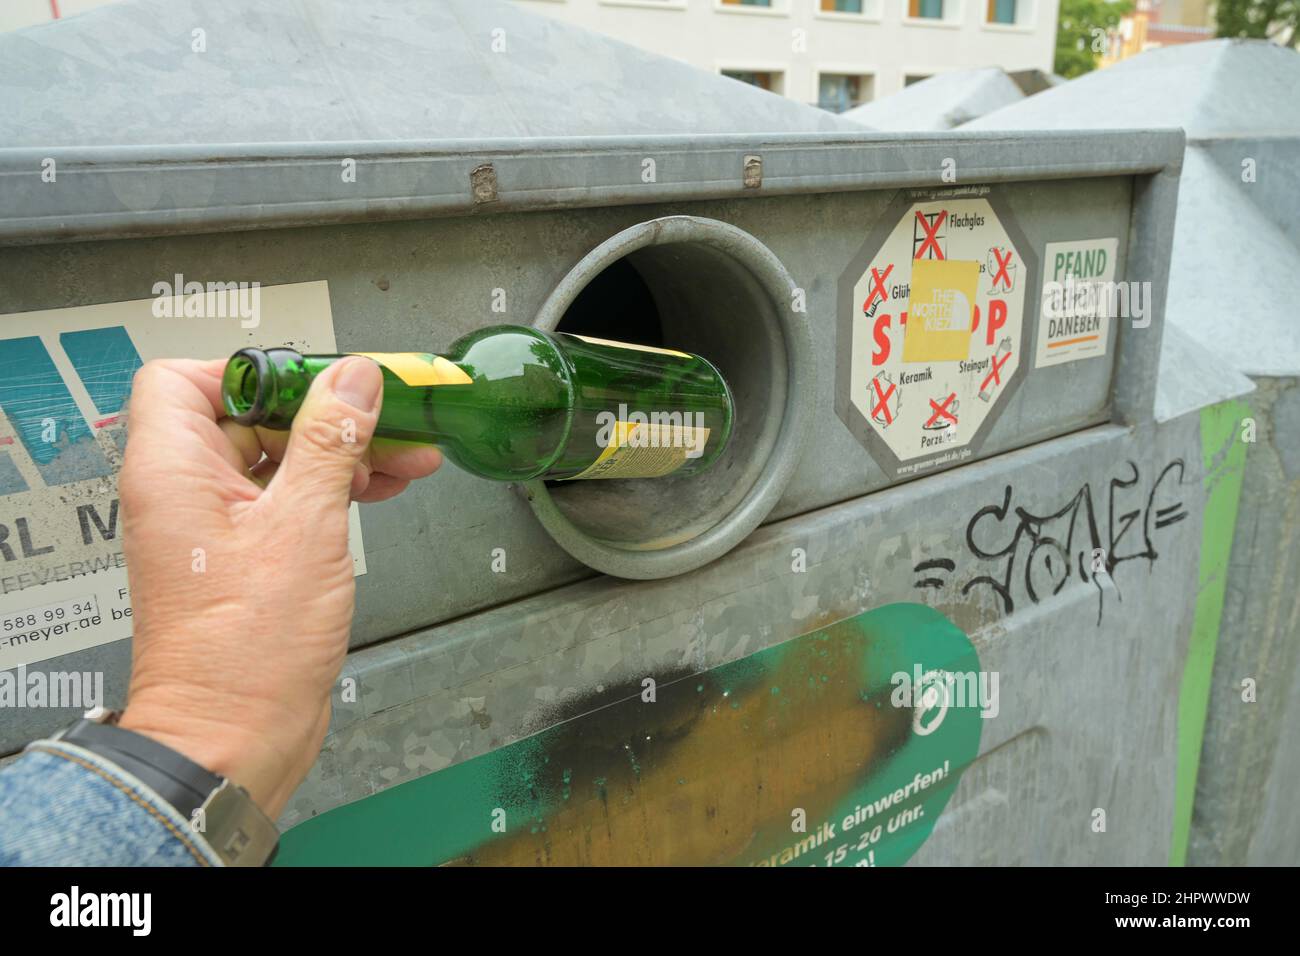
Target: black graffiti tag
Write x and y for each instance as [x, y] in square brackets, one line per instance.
[1045, 550]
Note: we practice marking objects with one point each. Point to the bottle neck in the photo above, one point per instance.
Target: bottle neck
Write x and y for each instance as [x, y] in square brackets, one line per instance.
[266, 387]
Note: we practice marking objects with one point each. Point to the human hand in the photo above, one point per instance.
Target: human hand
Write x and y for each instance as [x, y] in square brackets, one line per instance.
[243, 594]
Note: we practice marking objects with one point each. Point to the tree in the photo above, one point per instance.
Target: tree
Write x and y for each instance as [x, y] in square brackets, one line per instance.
[1261, 19]
[1081, 33]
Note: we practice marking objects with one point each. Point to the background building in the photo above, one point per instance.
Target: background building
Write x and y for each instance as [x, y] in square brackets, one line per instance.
[1157, 23]
[835, 53]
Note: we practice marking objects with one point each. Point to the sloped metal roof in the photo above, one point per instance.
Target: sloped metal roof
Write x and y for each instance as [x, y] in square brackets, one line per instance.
[1035, 81]
[1190, 376]
[1213, 89]
[1236, 235]
[1234, 282]
[314, 71]
[943, 101]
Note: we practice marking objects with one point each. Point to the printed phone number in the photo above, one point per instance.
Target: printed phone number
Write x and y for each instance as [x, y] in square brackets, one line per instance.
[52, 620]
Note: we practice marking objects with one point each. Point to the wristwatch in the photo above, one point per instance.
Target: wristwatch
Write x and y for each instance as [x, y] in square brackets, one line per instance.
[218, 810]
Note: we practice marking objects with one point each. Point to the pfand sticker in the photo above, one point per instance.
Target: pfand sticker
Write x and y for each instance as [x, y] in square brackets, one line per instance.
[1074, 322]
[932, 328]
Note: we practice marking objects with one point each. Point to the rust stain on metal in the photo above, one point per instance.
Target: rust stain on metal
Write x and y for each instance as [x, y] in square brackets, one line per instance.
[483, 183]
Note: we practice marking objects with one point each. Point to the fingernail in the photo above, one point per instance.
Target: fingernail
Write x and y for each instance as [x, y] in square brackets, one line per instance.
[358, 383]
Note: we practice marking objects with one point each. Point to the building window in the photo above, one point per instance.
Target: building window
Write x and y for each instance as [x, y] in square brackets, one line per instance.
[1002, 11]
[769, 80]
[769, 8]
[842, 6]
[925, 9]
[838, 92]
[910, 78]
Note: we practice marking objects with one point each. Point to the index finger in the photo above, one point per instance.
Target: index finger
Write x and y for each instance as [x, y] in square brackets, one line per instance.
[159, 390]
[174, 402]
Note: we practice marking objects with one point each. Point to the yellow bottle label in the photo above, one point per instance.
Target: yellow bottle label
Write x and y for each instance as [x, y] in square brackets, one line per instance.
[646, 450]
[420, 368]
[628, 345]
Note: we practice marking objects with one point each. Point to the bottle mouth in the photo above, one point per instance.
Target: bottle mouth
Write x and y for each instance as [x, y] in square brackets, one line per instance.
[246, 386]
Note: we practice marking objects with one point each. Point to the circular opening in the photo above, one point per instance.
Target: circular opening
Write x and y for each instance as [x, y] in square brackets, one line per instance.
[617, 304]
[692, 297]
[706, 287]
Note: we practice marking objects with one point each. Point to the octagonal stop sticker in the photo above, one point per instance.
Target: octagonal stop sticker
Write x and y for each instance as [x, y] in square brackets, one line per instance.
[932, 330]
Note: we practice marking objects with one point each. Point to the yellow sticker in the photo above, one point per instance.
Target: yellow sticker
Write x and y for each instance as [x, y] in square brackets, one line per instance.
[940, 309]
[420, 368]
[628, 345]
[647, 450]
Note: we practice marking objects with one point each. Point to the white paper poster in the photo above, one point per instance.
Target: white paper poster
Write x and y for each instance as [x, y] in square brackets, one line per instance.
[64, 378]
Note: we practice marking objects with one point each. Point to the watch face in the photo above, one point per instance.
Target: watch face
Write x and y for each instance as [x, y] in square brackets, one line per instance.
[236, 828]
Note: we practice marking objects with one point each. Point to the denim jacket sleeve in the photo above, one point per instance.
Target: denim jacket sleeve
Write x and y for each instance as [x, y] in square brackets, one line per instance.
[61, 805]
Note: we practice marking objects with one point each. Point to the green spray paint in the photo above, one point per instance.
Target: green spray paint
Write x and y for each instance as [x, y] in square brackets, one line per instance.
[568, 784]
[1223, 454]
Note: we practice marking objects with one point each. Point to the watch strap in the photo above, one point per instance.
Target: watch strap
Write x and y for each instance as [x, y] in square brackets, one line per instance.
[216, 808]
[173, 776]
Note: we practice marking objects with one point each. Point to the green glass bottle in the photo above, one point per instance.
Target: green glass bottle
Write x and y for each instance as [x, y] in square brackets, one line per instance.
[512, 403]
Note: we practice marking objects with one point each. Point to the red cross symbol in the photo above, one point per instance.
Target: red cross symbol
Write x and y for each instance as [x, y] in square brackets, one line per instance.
[1001, 274]
[878, 287]
[993, 376]
[942, 410]
[882, 403]
[931, 234]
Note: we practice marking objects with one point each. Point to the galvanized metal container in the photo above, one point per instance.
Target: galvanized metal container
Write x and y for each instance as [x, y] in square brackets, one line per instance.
[509, 626]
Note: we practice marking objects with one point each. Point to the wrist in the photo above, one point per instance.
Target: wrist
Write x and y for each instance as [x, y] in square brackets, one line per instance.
[217, 746]
[221, 813]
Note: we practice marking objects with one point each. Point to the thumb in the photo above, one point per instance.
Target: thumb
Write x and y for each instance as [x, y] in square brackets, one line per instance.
[330, 434]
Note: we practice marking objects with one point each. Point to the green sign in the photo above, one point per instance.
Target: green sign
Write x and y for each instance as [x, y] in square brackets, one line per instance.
[840, 747]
